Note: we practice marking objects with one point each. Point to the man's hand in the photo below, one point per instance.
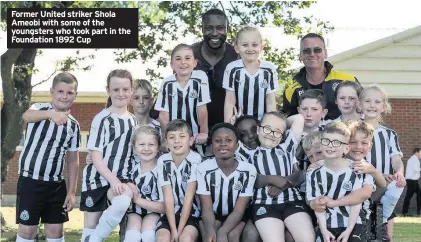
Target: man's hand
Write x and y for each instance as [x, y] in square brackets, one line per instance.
[274, 191]
[235, 115]
[59, 118]
[201, 138]
[400, 180]
[318, 204]
[69, 202]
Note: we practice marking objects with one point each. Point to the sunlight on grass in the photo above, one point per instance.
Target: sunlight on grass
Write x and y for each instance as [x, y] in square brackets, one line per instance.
[407, 229]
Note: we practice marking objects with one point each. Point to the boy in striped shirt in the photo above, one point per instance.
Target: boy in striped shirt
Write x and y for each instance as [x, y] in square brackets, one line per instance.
[335, 180]
[52, 133]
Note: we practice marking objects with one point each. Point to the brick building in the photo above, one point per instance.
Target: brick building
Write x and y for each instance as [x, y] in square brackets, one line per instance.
[393, 62]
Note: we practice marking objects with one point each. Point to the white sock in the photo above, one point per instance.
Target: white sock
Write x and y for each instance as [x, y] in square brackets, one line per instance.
[148, 236]
[56, 240]
[111, 218]
[86, 232]
[132, 235]
[20, 239]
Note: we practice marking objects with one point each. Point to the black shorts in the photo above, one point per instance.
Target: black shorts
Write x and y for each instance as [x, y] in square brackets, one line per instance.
[43, 200]
[164, 224]
[222, 219]
[94, 200]
[357, 234]
[279, 211]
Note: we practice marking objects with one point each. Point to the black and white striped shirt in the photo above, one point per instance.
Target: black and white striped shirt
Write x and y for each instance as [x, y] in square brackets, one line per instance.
[335, 185]
[42, 156]
[385, 146]
[147, 186]
[156, 125]
[110, 135]
[182, 102]
[179, 177]
[225, 190]
[276, 161]
[251, 90]
[243, 153]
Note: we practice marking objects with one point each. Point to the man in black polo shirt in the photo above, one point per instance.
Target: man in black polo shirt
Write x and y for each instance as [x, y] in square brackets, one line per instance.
[214, 54]
[316, 74]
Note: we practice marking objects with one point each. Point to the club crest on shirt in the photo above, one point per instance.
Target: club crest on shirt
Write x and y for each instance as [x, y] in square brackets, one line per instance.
[347, 186]
[261, 211]
[264, 83]
[89, 202]
[193, 94]
[238, 185]
[280, 152]
[146, 190]
[335, 85]
[24, 215]
[185, 177]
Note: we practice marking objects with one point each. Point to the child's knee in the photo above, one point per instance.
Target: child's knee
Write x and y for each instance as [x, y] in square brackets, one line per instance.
[234, 236]
[185, 237]
[163, 235]
[27, 232]
[127, 191]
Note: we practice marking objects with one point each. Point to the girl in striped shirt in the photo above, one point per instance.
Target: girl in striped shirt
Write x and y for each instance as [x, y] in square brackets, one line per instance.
[385, 154]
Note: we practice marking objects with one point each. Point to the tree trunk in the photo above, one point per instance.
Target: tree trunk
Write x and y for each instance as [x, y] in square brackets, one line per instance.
[17, 96]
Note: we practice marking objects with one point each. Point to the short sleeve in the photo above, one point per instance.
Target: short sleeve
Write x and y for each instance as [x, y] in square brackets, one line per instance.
[202, 187]
[290, 144]
[40, 106]
[394, 148]
[248, 188]
[96, 139]
[75, 139]
[162, 100]
[369, 180]
[204, 95]
[273, 85]
[193, 174]
[160, 193]
[164, 173]
[229, 75]
[311, 188]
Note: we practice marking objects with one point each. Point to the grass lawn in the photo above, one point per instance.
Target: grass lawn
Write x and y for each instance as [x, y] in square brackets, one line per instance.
[406, 229]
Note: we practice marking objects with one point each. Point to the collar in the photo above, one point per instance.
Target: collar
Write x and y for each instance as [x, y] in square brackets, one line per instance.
[300, 77]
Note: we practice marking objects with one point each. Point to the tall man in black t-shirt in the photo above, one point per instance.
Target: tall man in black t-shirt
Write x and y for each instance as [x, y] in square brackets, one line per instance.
[214, 54]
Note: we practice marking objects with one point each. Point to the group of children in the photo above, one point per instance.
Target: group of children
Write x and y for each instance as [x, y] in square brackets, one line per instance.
[257, 176]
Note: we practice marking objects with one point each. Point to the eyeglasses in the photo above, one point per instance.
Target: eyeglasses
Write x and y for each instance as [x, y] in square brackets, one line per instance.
[335, 143]
[268, 130]
[315, 50]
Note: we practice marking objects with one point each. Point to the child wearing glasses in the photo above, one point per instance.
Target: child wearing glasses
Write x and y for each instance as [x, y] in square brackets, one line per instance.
[251, 83]
[273, 211]
[336, 179]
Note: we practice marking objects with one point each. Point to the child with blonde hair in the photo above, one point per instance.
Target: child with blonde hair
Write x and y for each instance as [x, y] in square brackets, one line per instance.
[385, 154]
[251, 83]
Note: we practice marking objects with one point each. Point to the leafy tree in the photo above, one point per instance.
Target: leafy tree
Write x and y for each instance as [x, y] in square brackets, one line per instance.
[160, 22]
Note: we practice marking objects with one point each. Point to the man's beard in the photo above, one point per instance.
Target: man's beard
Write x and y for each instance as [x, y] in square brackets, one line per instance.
[222, 40]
